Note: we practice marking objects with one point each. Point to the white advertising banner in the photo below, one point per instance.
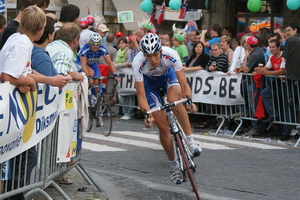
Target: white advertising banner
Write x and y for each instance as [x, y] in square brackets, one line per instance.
[25, 119]
[207, 87]
[215, 87]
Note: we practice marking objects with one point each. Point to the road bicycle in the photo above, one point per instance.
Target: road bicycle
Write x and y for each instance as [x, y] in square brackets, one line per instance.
[184, 154]
[99, 107]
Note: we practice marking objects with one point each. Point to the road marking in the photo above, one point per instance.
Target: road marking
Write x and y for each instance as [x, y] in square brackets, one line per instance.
[203, 144]
[125, 141]
[238, 142]
[98, 147]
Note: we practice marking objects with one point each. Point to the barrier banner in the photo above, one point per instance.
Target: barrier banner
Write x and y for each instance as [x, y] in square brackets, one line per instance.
[67, 130]
[25, 119]
[215, 87]
[207, 87]
[126, 85]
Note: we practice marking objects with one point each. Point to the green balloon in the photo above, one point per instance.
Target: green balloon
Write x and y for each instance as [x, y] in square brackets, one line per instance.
[146, 5]
[254, 5]
[175, 4]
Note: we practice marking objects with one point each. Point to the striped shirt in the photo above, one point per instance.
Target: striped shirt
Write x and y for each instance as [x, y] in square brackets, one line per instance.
[222, 63]
[62, 56]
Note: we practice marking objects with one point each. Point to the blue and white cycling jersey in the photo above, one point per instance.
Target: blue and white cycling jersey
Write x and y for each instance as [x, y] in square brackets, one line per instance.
[141, 66]
[91, 56]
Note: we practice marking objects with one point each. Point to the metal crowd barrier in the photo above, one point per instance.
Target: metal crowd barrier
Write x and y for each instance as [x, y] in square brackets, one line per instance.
[45, 172]
[285, 102]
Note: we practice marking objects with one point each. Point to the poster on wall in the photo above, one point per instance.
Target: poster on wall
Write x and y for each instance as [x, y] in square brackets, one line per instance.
[125, 16]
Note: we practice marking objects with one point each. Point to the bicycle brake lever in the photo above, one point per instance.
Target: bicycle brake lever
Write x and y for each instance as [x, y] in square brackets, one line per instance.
[190, 102]
[146, 116]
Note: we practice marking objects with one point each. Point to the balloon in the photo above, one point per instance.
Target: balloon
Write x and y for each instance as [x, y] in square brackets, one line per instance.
[146, 5]
[293, 4]
[254, 5]
[175, 4]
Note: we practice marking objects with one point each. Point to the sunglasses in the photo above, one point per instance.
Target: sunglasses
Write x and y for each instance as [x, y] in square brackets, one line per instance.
[95, 43]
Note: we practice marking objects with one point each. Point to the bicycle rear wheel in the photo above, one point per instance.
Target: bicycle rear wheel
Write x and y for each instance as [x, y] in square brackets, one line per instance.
[104, 120]
[187, 166]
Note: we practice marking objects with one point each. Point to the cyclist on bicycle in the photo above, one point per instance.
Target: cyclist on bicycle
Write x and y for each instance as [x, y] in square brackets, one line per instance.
[89, 55]
[157, 67]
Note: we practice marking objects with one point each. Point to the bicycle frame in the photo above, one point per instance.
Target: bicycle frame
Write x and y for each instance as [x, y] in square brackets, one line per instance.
[184, 155]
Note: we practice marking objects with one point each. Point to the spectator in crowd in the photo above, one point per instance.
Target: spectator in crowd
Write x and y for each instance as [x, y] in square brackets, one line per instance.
[235, 43]
[280, 31]
[225, 42]
[62, 50]
[85, 33]
[53, 16]
[118, 35]
[292, 59]
[291, 30]
[238, 58]
[275, 67]
[263, 39]
[215, 34]
[218, 60]
[228, 31]
[186, 40]
[16, 68]
[2, 25]
[121, 61]
[112, 52]
[180, 48]
[12, 27]
[139, 34]
[91, 21]
[198, 59]
[103, 31]
[277, 36]
[41, 61]
[168, 43]
[198, 38]
[254, 56]
[68, 13]
[192, 40]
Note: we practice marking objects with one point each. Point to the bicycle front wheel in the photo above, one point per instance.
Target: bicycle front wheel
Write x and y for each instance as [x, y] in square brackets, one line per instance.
[91, 117]
[187, 166]
[104, 120]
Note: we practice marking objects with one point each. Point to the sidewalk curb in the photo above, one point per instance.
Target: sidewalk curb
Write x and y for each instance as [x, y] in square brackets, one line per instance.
[110, 190]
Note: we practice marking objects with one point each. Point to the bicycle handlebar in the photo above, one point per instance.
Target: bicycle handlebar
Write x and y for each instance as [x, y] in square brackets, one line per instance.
[168, 105]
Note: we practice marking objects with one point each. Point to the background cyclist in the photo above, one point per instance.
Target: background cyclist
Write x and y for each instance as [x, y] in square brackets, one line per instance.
[158, 67]
[89, 54]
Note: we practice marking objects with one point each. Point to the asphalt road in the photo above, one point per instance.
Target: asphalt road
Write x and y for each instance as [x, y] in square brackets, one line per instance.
[238, 168]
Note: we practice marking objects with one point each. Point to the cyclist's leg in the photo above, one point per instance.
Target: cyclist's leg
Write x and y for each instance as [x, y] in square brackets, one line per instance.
[152, 89]
[174, 93]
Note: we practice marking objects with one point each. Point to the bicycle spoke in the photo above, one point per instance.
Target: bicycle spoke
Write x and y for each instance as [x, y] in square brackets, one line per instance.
[91, 117]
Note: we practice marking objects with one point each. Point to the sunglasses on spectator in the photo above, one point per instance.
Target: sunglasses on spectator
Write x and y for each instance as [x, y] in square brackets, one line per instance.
[95, 43]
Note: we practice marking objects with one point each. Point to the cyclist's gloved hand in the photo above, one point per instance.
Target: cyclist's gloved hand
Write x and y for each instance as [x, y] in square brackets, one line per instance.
[149, 119]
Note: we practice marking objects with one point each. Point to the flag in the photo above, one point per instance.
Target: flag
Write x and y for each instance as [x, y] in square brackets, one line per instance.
[183, 10]
[2, 6]
[161, 13]
[153, 13]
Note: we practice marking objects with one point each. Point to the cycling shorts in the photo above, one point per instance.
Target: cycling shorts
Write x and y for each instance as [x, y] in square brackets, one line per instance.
[94, 67]
[155, 83]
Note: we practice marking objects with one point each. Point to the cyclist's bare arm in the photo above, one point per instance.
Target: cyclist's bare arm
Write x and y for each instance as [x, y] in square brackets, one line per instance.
[110, 63]
[143, 103]
[85, 68]
[185, 89]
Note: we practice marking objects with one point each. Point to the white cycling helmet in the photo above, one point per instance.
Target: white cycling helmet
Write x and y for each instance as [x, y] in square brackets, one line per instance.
[150, 43]
[96, 37]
